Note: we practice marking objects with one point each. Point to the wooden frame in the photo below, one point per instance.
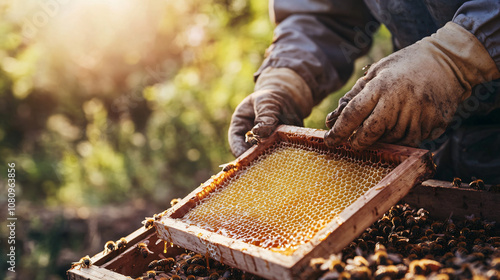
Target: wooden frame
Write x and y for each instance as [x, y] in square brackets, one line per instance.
[415, 165]
[126, 263]
[445, 201]
[98, 269]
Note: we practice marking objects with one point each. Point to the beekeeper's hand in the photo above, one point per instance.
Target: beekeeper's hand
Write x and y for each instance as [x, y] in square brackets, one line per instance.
[281, 97]
[412, 94]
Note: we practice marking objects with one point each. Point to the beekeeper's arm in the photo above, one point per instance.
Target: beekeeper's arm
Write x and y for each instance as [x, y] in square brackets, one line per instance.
[412, 94]
[313, 51]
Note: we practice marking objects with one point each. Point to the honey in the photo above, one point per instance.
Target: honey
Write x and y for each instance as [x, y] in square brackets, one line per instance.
[286, 195]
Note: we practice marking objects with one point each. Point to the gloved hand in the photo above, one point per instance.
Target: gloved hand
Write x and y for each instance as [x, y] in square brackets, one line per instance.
[281, 96]
[412, 94]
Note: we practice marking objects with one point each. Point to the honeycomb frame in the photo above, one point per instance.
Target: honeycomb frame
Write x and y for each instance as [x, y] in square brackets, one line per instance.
[413, 166]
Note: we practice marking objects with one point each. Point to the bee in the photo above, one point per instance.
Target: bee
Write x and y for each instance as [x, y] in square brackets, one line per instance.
[366, 68]
[495, 263]
[84, 262]
[457, 182]
[151, 274]
[380, 247]
[437, 227]
[412, 257]
[334, 263]
[465, 232]
[373, 232]
[476, 256]
[422, 212]
[175, 277]
[109, 247]
[424, 266]
[393, 212]
[121, 243]
[448, 255]
[386, 272]
[190, 269]
[396, 221]
[174, 201]
[452, 243]
[228, 166]
[451, 228]
[157, 217]
[316, 263]
[415, 250]
[153, 264]
[424, 239]
[143, 249]
[148, 223]
[386, 230]
[359, 261]
[217, 265]
[196, 259]
[495, 188]
[182, 266]
[477, 184]
[385, 218]
[379, 239]
[199, 270]
[168, 263]
[493, 274]
[214, 276]
[252, 138]
[493, 240]
[344, 276]
[381, 258]
[361, 272]
[191, 277]
[442, 276]
[461, 251]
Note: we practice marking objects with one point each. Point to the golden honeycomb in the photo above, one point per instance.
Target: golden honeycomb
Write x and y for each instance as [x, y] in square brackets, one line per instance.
[286, 195]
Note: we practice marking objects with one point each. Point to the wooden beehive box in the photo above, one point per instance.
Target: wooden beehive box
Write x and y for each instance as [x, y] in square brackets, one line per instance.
[412, 167]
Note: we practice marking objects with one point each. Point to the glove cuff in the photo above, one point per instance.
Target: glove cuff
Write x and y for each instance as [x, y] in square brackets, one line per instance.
[289, 85]
[468, 58]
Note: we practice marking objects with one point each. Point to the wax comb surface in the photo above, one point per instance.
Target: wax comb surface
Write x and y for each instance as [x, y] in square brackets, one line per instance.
[286, 195]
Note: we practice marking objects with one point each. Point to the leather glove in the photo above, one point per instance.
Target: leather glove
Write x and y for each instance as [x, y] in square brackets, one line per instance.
[281, 96]
[412, 94]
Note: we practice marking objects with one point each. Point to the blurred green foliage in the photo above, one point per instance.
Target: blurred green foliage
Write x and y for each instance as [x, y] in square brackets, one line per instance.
[105, 101]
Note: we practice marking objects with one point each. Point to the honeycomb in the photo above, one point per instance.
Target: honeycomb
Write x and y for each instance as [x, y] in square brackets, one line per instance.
[286, 195]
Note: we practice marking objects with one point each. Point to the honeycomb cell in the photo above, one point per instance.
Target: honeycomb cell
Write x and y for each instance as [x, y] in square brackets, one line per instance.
[286, 195]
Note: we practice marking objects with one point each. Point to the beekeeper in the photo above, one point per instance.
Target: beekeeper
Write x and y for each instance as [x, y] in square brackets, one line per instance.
[438, 90]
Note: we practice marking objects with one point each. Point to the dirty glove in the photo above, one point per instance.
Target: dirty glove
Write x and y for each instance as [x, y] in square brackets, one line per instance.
[281, 97]
[412, 94]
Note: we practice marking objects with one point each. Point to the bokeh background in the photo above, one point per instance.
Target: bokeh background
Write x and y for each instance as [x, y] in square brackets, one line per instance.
[111, 108]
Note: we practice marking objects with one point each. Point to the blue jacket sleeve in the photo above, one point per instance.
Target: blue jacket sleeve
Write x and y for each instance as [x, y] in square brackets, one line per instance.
[319, 40]
[482, 18]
